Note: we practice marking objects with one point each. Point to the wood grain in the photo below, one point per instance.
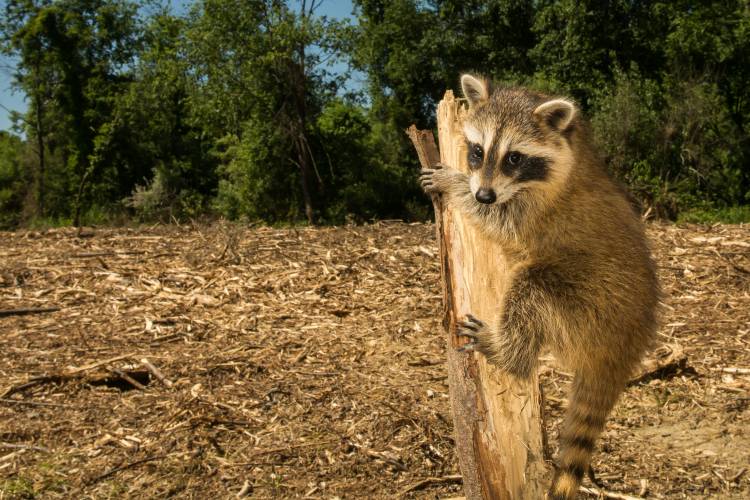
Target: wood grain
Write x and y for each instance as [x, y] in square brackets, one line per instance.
[497, 419]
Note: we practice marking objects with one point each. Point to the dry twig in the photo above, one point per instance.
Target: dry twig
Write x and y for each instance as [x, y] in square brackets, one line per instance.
[598, 492]
[4, 313]
[155, 372]
[15, 446]
[126, 376]
[668, 358]
[429, 481]
[119, 468]
[734, 370]
[360, 302]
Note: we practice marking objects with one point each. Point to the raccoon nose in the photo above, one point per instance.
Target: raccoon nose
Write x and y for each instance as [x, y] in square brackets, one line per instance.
[486, 196]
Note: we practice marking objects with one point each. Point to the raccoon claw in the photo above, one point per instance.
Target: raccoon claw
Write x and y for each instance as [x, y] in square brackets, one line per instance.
[471, 324]
[429, 180]
[474, 330]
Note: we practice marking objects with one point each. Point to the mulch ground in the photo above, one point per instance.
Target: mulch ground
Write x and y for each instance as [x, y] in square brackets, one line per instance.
[310, 363]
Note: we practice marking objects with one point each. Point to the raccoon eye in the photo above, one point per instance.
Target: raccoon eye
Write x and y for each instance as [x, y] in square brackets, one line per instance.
[476, 153]
[514, 158]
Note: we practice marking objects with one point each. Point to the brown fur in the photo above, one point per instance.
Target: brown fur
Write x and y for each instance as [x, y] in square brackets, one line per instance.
[584, 281]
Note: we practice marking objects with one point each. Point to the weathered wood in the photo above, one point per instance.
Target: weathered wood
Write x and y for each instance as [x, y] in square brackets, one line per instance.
[26, 311]
[666, 359]
[156, 372]
[497, 419]
[427, 151]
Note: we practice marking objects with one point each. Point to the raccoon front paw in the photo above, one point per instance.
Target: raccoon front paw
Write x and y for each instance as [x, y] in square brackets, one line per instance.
[509, 351]
[436, 179]
[478, 334]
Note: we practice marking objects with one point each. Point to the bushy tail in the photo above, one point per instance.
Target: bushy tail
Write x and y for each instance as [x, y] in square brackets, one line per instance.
[591, 399]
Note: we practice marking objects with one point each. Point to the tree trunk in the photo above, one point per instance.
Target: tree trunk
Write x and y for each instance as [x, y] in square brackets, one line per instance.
[38, 100]
[40, 146]
[79, 198]
[304, 167]
[301, 90]
[498, 419]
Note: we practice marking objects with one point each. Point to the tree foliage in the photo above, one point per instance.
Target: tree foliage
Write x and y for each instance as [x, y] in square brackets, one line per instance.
[76, 57]
[234, 108]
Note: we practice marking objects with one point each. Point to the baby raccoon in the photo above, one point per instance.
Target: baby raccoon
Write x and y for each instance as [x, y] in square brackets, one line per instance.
[583, 280]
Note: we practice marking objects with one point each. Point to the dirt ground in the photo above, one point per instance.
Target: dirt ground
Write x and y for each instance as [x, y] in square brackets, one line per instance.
[310, 363]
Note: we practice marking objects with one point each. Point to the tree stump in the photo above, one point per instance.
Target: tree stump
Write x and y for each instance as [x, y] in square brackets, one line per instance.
[497, 418]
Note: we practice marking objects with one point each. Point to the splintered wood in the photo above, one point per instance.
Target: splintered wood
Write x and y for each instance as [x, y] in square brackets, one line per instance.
[310, 363]
[497, 419]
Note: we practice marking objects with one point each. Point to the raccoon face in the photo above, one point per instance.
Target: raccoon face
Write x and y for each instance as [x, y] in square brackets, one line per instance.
[517, 142]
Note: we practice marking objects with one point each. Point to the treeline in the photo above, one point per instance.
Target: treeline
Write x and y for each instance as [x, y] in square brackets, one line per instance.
[233, 109]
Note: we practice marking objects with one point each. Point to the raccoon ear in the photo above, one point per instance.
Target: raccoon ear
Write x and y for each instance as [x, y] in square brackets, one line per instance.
[476, 90]
[558, 114]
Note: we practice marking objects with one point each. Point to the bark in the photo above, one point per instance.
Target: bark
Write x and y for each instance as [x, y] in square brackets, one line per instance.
[497, 419]
[301, 140]
[304, 166]
[38, 106]
[40, 147]
[79, 198]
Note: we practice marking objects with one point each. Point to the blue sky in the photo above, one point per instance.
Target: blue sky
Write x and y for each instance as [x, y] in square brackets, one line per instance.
[14, 100]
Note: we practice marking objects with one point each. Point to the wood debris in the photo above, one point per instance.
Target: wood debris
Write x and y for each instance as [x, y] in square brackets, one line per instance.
[312, 360]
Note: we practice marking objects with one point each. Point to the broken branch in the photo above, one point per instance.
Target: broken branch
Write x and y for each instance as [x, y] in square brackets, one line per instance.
[156, 372]
[26, 311]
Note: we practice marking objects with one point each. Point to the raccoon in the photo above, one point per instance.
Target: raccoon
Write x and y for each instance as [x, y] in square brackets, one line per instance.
[583, 280]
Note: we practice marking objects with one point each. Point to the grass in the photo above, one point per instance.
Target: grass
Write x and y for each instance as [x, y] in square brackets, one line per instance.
[705, 214]
[728, 215]
[19, 487]
[38, 223]
[92, 217]
[42, 478]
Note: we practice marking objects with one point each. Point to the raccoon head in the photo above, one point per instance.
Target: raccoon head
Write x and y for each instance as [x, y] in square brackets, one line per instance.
[518, 142]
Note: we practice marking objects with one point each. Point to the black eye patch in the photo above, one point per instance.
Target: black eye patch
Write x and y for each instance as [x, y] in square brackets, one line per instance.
[526, 168]
[535, 168]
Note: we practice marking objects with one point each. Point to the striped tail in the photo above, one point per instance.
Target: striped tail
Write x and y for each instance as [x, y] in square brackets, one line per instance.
[591, 399]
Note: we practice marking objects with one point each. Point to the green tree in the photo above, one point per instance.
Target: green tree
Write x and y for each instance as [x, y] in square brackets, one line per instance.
[233, 107]
[581, 43]
[264, 84]
[678, 135]
[81, 54]
[162, 122]
[412, 51]
[361, 185]
[13, 179]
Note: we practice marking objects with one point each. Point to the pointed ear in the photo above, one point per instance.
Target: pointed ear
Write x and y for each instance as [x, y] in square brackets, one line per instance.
[557, 114]
[476, 90]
